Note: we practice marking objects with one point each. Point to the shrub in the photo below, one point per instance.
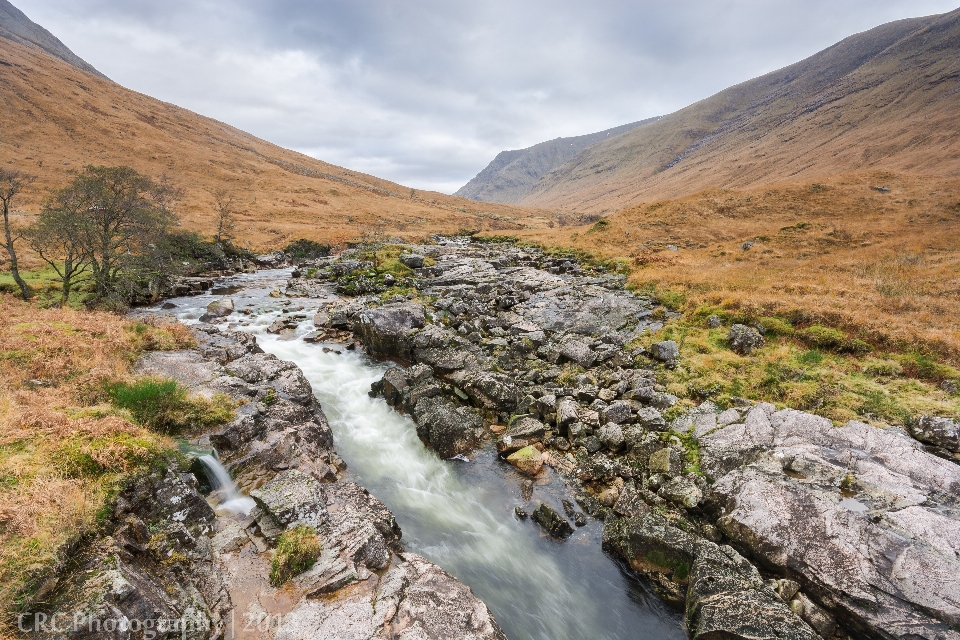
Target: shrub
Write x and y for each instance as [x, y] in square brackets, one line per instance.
[166, 406]
[304, 249]
[882, 368]
[297, 549]
[776, 326]
[822, 337]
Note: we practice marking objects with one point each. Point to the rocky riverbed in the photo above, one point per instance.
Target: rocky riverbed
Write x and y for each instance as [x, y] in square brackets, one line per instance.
[761, 523]
[174, 565]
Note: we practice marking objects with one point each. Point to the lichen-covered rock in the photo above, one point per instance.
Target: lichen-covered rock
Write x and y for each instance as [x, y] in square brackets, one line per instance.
[744, 340]
[412, 260]
[385, 330]
[293, 498]
[617, 412]
[665, 351]
[611, 436]
[220, 308]
[940, 432]
[491, 390]
[667, 461]
[449, 429]
[528, 460]
[578, 353]
[682, 491]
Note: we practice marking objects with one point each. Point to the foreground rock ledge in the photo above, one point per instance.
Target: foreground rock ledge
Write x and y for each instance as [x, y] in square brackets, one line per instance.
[170, 557]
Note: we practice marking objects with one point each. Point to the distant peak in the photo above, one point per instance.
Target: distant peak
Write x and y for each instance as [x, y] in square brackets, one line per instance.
[16, 26]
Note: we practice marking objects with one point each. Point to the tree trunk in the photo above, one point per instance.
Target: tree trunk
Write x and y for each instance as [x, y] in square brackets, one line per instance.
[14, 268]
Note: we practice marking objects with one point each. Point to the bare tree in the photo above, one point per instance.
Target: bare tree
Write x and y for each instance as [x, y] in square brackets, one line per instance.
[225, 205]
[57, 235]
[12, 182]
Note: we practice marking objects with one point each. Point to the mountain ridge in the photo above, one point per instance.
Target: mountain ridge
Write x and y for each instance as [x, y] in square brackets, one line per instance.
[512, 174]
[886, 98]
[16, 26]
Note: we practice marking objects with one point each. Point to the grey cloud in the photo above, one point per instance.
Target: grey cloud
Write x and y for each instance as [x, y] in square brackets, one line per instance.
[427, 92]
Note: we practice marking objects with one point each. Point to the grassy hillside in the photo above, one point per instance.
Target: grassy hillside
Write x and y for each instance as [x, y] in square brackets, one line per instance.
[55, 118]
[888, 98]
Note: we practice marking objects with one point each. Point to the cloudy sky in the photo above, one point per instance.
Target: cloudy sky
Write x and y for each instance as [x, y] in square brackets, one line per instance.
[427, 92]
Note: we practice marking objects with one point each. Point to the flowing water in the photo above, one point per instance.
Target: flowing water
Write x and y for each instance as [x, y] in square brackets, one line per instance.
[456, 513]
[230, 498]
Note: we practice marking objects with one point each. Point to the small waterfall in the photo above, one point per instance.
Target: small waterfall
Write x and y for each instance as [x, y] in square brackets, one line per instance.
[223, 485]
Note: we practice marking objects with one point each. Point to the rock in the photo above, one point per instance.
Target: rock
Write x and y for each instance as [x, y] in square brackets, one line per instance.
[450, 430]
[520, 513]
[940, 432]
[393, 384]
[578, 353]
[412, 260]
[714, 322]
[385, 330]
[682, 491]
[667, 461]
[321, 319]
[491, 390]
[814, 615]
[725, 595]
[568, 412]
[663, 400]
[293, 498]
[528, 460]
[665, 351]
[744, 340]
[618, 412]
[611, 436]
[220, 308]
[555, 524]
[651, 418]
[592, 444]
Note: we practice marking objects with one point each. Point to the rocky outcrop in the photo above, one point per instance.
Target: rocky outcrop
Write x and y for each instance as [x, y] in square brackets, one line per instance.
[174, 563]
[725, 594]
[384, 330]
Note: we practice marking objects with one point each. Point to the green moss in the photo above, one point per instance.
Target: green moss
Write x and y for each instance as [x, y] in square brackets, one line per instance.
[297, 550]
[822, 337]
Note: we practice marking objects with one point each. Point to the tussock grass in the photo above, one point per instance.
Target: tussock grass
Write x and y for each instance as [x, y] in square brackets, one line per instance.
[166, 406]
[297, 549]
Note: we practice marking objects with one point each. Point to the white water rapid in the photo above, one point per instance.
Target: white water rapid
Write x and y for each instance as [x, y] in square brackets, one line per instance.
[230, 497]
[457, 514]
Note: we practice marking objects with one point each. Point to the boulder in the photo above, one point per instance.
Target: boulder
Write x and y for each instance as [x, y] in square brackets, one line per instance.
[412, 260]
[578, 353]
[393, 384]
[568, 412]
[385, 330]
[220, 308]
[611, 436]
[940, 432]
[618, 412]
[682, 491]
[665, 351]
[450, 430]
[555, 524]
[491, 390]
[667, 461]
[651, 418]
[292, 498]
[528, 460]
[744, 340]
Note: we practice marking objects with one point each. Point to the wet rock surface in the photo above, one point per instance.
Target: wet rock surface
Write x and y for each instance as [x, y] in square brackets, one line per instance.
[720, 508]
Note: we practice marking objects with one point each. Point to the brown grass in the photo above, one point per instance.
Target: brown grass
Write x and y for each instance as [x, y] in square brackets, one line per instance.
[884, 266]
[61, 458]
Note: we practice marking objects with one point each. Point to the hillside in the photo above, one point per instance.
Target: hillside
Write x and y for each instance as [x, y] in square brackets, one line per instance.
[55, 118]
[888, 98]
[513, 174]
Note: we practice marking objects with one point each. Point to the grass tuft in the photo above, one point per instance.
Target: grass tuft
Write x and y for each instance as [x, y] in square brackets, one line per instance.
[165, 406]
[297, 549]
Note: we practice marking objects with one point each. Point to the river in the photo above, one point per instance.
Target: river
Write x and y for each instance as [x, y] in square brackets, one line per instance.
[458, 514]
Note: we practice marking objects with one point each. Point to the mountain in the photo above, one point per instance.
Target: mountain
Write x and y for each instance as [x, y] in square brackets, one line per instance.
[16, 26]
[888, 98]
[56, 117]
[512, 174]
